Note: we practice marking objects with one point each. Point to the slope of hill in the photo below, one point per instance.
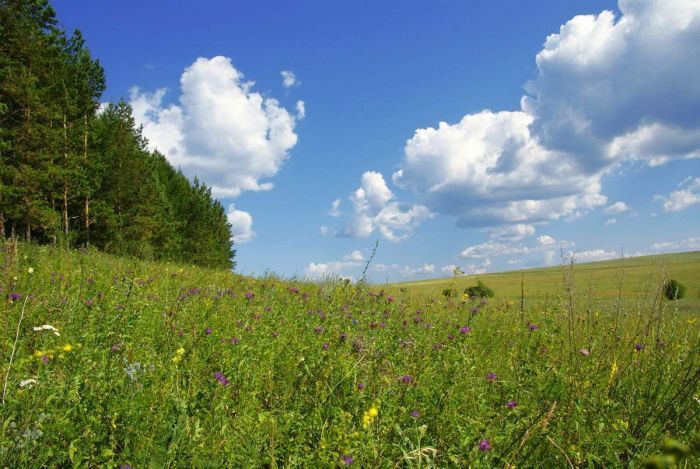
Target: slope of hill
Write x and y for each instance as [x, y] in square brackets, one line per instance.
[640, 277]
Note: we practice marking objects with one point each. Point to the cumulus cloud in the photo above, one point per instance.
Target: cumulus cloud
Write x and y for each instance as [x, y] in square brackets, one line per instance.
[468, 269]
[606, 90]
[511, 233]
[610, 221]
[406, 271]
[375, 209]
[289, 79]
[220, 130]
[679, 200]
[493, 248]
[593, 255]
[241, 225]
[689, 244]
[617, 207]
[339, 268]
[301, 109]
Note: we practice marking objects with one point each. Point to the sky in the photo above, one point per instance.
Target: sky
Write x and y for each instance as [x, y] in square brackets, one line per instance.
[487, 135]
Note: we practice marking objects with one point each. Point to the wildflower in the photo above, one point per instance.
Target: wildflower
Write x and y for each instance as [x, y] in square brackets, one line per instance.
[532, 326]
[46, 327]
[318, 330]
[491, 376]
[207, 331]
[14, 296]
[511, 404]
[325, 346]
[390, 299]
[406, 379]
[221, 378]
[343, 336]
[30, 270]
[584, 352]
[465, 330]
[27, 383]
[178, 355]
[638, 347]
[369, 416]
[275, 334]
[115, 348]
[88, 302]
[613, 372]
[415, 414]
[484, 445]
[360, 386]
[347, 459]
[67, 348]
[45, 359]
[249, 295]
[235, 340]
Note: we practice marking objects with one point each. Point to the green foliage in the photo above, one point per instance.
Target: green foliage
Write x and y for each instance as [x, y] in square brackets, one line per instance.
[85, 178]
[173, 366]
[449, 292]
[480, 290]
[674, 290]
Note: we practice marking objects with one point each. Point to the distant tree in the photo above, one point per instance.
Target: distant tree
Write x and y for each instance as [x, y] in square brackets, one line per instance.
[480, 290]
[674, 290]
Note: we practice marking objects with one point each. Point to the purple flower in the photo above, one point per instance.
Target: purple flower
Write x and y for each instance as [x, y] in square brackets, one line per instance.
[343, 336]
[347, 459]
[584, 352]
[207, 331]
[415, 414]
[360, 386]
[474, 310]
[511, 404]
[406, 379]
[115, 348]
[275, 334]
[390, 299]
[465, 330]
[532, 326]
[45, 359]
[88, 302]
[325, 346]
[14, 296]
[484, 445]
[221, 378]
[318, 329]
[249, 295]
[638, 347]
[294, 290]
[491, 376]
[235, 340]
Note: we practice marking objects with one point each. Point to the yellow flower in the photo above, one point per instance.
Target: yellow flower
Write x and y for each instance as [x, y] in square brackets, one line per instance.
[178, 355]
[67, 348]
[373, 412]
[369, 416]
[30, 270]
[613, 372]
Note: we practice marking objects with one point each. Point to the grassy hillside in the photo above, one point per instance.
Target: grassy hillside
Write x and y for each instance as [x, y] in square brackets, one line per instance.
[640, 276]
[113, 362]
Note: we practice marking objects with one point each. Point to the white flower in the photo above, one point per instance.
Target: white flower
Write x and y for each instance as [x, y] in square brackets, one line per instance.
[46, 327]
[30, 270]
[27, 383]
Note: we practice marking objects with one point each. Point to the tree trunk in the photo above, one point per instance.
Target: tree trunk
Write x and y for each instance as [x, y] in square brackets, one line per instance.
[65, 183]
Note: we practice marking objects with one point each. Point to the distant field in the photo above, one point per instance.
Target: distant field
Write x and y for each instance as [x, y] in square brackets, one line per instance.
[641, 276]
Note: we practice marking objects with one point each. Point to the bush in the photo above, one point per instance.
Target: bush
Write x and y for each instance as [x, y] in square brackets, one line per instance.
[449, 292]
[674, 290]
[480, 290]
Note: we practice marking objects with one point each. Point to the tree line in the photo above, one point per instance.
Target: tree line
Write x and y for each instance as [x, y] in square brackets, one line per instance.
[77, 172]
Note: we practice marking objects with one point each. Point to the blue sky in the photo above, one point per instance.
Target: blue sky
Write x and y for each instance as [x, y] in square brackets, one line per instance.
[488, 135]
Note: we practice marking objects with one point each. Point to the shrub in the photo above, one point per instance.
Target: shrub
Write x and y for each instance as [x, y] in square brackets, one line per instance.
[449, 292]
[674, 290]
[480, 290]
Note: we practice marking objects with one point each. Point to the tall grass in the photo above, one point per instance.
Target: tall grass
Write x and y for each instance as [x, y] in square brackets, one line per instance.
[159, 364]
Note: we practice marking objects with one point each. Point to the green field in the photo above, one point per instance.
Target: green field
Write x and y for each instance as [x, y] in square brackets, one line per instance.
[640, 276]
[111, 362]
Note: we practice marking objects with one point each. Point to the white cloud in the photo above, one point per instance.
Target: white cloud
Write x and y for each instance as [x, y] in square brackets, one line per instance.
[374, 209]
[241, 225]
[680, 200]
[339, 268]
[425, 269]
[301, 109]
[221, 131]
[355, 256]
[605, 90]
[617, 207]
[289, 79]
[689, 244]
[546, 240]
[593, 255]
[511, 233]
[610, 221]
[335, 208]
[469, 269]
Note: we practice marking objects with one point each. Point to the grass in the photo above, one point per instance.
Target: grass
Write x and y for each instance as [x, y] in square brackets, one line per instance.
[167, 365]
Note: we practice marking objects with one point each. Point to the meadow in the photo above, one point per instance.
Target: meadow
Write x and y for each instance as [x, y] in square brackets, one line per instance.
[115, 362]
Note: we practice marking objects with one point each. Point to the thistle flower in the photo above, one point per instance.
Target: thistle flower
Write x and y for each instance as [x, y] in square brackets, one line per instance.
[638, 347]
[249, 295]
[221, 378]
[491, 376]
[485, 445]
[465, 330]
[406, 379]
[207, 331]
[415, 414]
[347, 459]
[532, 326]
[325, 346]
[14, 296]
[511, 404]
[360, 386]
